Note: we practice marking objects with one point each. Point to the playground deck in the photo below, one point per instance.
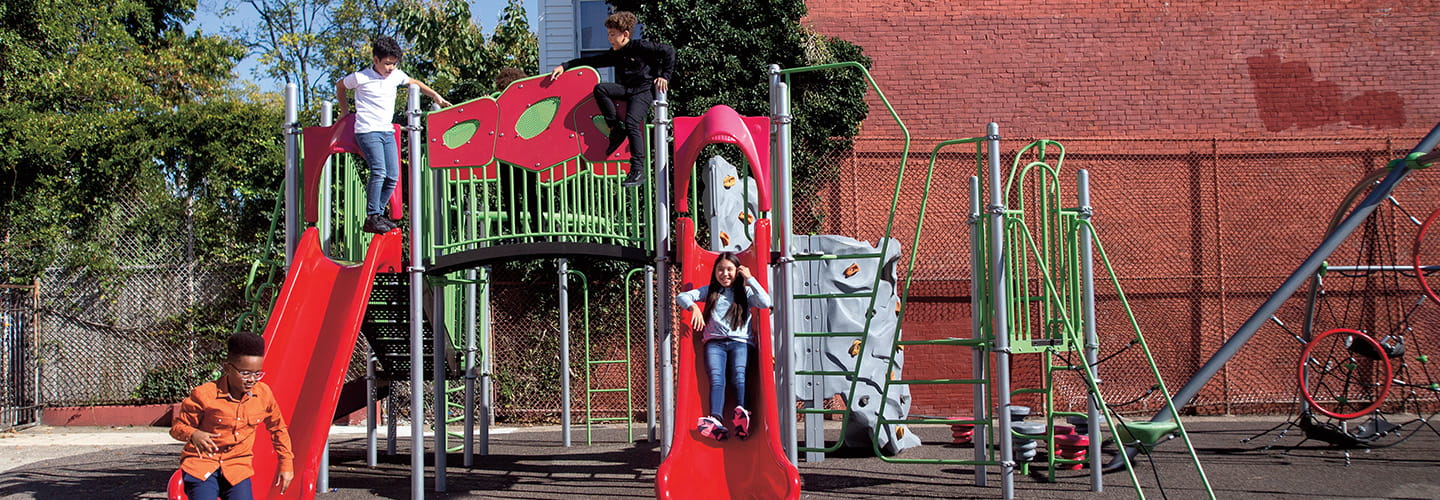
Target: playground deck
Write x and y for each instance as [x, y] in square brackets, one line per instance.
[529, 463]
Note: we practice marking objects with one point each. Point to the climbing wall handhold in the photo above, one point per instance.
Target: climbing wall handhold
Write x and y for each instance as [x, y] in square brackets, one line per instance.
[724, 238]
[850, 271]
[855, 348]
[729, 181]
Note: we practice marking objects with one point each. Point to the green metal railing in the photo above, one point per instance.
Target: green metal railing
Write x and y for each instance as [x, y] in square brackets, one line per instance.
[980, 342]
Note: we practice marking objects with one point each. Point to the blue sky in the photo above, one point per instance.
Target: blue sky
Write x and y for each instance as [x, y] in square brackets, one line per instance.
[210, 18]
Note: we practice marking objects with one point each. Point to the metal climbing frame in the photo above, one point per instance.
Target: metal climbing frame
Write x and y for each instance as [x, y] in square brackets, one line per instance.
[1044, 304]
[592, 365]
[780, 106]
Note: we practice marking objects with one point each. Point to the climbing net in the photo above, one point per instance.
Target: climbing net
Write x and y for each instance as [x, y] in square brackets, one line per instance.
[1369, 324]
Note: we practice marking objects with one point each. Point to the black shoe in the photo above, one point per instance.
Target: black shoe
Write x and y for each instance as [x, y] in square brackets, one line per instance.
[635, 178]
[374, 224]
[391, 225]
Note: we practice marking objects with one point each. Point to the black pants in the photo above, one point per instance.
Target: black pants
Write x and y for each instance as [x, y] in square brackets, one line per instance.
[638, 99]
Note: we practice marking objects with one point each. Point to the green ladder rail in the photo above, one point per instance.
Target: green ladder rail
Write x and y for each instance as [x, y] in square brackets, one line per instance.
[592, 365]
[981, 343]
[878, 256]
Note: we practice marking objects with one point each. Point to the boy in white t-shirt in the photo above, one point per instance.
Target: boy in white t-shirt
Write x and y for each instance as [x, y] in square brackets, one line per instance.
[375, 89]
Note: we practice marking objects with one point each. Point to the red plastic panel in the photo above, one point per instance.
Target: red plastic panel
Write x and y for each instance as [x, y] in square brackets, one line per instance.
[593, 142]
[556, 143]
[721, 124]
[478, 150]
[702, 468]
[320, 143]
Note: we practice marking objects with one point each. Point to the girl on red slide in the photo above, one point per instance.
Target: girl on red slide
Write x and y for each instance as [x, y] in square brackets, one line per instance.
[725, 326]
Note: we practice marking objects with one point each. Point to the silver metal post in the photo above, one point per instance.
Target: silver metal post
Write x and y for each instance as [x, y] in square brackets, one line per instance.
[293, 175]
[370, 408]
[470, 368]
[979, 357]
[327, 174]
[650, 353]
[487, 400]
[438, 397]
[999, 323]
[662, 246]
[417, 302]
[391, 431]
[563, 269]
[781, 291]
[1092, 341]
[322, 480]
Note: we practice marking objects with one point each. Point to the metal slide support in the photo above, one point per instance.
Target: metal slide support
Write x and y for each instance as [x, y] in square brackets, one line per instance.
[292, 173]
[999, 322]
[781, 290]
[978, 356]
[1092, 341]
[417, 299]
[661, 242]
[650, 354]
[370, 408]
[438, 395]
[1296, 279]
[563, 270]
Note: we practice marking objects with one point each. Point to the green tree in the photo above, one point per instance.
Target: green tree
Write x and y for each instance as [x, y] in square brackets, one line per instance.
[80, 85]
[723, 52]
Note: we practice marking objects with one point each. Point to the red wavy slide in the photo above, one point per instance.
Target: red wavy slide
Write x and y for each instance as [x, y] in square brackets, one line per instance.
[309, 340]
[702, 468]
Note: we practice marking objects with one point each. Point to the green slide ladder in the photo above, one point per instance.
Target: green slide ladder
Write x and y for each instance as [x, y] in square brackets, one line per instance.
[593, 365]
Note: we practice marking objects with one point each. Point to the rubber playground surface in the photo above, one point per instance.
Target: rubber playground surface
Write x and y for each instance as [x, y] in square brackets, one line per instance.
[53, 462]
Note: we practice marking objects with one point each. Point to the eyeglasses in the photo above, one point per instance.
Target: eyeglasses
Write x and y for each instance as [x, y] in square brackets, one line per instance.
[248, 375]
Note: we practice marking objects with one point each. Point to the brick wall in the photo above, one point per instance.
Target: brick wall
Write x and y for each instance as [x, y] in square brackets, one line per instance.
[1149, 69]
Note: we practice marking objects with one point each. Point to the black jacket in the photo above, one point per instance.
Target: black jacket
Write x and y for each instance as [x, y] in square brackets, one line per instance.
[637, 64]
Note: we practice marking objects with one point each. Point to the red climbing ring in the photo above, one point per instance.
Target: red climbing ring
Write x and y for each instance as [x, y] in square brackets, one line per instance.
[1347, 378]
[1419, 269]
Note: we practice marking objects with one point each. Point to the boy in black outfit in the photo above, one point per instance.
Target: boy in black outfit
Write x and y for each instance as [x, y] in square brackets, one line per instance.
[642, 68]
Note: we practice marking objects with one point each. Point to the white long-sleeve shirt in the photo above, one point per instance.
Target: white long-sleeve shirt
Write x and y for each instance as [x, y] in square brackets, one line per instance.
[715, 326]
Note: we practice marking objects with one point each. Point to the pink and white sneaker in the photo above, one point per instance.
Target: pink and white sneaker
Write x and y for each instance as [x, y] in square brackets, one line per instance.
[741, 422]
[710, 427]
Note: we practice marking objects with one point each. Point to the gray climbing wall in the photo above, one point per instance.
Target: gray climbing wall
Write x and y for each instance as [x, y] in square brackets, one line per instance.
[729, 206]
[842, 275]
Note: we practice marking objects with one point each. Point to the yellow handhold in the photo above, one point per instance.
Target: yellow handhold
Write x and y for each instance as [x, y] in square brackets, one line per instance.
[855, 348]
[724, 238]
[850, 271]
[729, 181]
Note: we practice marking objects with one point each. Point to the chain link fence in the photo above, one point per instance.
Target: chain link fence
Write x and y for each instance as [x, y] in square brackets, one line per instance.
[1200, 232]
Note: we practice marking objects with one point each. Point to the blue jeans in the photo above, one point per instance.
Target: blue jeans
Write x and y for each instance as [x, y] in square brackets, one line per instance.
[720, 355]
[216, 487]
[381, 155]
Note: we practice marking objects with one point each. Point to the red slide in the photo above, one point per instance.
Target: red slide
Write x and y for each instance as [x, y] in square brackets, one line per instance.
[700, 467]
[309, 340]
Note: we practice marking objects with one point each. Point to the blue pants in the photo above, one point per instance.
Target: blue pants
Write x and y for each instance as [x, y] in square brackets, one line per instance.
[720, 355]
[383, 157]
[216, 487]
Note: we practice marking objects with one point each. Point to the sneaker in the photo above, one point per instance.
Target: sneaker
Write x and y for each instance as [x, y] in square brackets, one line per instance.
[635, 178]
[710, 427]
[741, 421]
[392, 224]
[374, 224]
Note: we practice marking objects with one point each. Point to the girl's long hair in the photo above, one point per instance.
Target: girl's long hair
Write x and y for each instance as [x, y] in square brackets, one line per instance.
[739, 311]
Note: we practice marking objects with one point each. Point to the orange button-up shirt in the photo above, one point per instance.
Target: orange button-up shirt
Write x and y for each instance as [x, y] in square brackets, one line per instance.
[210, 408]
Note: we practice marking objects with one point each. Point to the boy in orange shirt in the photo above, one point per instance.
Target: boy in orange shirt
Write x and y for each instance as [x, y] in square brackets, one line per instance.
[218, 423]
